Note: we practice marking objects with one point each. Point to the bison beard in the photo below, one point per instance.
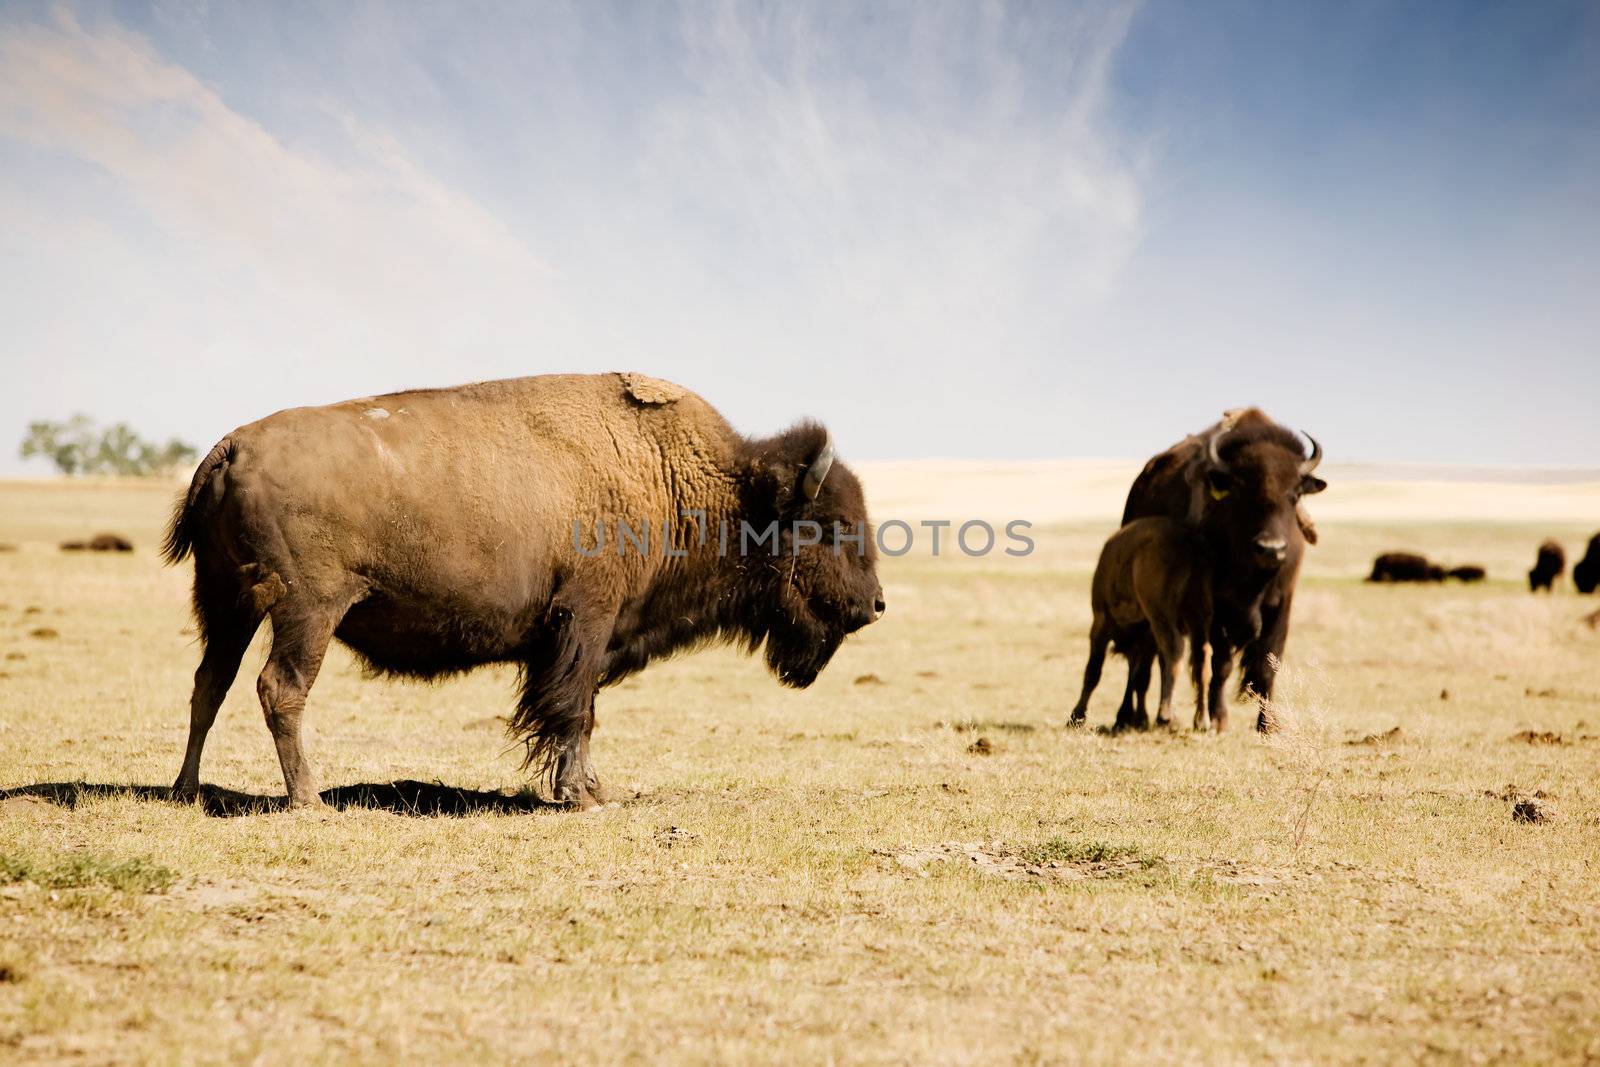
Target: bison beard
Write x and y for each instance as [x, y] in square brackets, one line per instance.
[430, 533]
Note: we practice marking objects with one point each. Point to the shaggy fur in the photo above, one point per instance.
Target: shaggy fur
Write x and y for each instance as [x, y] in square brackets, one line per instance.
[433, 531]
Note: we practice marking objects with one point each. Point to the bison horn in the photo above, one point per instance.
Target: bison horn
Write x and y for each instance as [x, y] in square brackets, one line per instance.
[1316, 457]
[1214, 456]
[819, 469]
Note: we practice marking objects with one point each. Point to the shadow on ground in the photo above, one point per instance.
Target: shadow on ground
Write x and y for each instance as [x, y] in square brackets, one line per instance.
[402, 797]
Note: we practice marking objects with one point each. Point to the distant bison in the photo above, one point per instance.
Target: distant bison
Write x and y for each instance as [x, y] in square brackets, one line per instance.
[1552, 561]
[1586, 572]
[438, 530]
[104, 542]
[1468, 572]
[1152, 590]
[1405, 567]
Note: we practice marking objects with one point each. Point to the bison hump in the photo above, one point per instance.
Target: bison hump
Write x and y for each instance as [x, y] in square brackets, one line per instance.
[648, 390]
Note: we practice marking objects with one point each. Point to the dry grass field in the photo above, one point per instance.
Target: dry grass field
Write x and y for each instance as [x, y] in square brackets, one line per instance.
[912, 862]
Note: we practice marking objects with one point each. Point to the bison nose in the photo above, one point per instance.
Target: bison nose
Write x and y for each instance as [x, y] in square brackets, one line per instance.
[878, 608]
[1271, 549]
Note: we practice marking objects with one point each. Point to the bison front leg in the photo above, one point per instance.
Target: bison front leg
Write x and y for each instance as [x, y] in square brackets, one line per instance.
[555, 715]
[1221, 668]
[576, 782]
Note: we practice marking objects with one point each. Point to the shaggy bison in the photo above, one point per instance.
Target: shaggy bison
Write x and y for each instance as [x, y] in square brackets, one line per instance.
[1240, 482]
[1547, 567]
[1586, 572]
[437, 530]
[1151, 591]
[1405, 567]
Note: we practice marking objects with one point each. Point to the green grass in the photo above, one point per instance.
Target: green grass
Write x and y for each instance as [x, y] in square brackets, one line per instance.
[137, 875]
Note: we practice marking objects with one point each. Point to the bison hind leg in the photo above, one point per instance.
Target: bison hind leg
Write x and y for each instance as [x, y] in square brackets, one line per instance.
[227, 622]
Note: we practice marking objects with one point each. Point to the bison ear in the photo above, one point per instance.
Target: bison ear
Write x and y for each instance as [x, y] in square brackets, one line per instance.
[1311, 484]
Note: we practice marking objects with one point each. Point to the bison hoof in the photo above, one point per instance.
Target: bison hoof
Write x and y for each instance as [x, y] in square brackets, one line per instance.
[184, 793]
[581, 797]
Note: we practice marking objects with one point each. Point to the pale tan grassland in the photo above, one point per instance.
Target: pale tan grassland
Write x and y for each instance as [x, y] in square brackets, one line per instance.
[769, 890]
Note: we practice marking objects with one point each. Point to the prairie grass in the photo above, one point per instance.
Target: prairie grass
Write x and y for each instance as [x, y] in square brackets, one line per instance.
[1338, 892]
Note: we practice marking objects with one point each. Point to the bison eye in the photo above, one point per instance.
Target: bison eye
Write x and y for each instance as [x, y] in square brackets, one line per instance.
[1219, 484]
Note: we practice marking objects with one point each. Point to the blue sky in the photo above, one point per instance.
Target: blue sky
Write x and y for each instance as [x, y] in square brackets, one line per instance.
[948, 230]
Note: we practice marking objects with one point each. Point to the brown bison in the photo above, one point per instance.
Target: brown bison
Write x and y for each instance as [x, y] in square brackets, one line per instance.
[1547, 567]
[102, 542]
[1586, 572]
[1240, 481]
[1469, 572]
[438, 530]
[1405, 567]
[1152, 590]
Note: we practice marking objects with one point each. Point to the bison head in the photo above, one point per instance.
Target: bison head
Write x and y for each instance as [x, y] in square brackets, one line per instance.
[821, 583]
[1247, 483]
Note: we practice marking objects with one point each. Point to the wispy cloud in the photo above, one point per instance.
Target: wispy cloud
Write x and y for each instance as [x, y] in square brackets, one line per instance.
[835, 191]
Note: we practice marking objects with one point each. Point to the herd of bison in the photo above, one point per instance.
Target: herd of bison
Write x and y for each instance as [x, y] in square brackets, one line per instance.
[427, 572]
[1548, 565]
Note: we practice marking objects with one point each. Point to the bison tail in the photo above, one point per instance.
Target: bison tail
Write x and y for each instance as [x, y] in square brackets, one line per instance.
[557, 695]
[179, 542]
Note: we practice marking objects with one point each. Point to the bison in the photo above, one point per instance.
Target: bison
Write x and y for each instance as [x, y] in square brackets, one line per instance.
[438, 530]
[1240, 481]
[1586, 572]
[1547, 567]
[101, 542]
[1469, 572]
[1152, 590]
[1405, 567]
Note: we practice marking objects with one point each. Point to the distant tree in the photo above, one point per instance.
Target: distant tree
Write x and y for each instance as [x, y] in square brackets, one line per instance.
[78, 446]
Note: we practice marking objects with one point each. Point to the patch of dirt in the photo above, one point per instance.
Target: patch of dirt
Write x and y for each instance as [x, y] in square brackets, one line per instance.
[1530, 691]
[869, 679]
[29, 807]
[16, 655]
[44, 633]
[6, 546]
[981, 747]
[1391, 736]
[674, 836]
[999, 860]
[1527, 807]
[491, 722]
[927, 674]
[1232, 872]
[1539, 737]
[1532, 809]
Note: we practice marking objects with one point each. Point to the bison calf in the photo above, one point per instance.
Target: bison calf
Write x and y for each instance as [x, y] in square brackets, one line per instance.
[1552, 561]
[1586, 572]
[1152, 588]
